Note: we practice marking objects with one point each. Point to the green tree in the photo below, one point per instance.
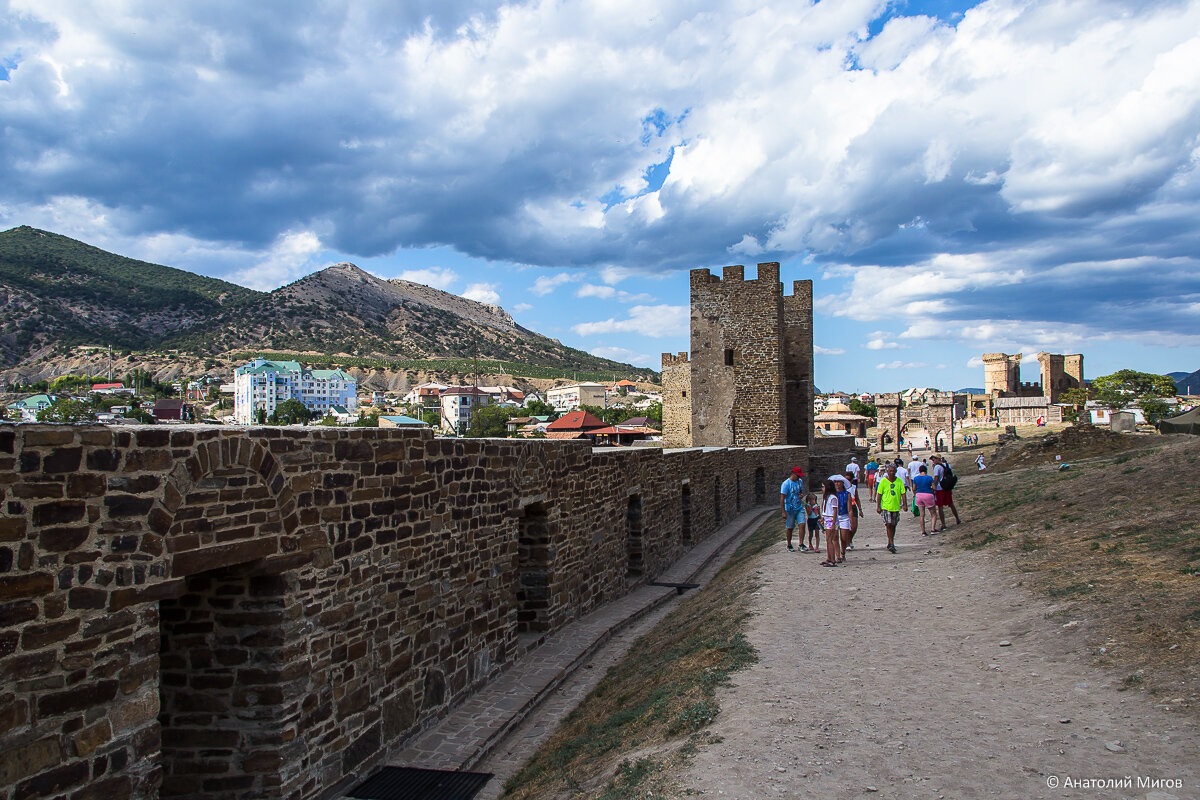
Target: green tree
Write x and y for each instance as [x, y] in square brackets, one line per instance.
[68, 410]
[654, 412]
[260, 416]
[141, 415]
[367, 421]
[857, 406]
[431, 418]
[490, 420]
[1127, 386]
[536, 408]
[1153, 409]
[290, 412]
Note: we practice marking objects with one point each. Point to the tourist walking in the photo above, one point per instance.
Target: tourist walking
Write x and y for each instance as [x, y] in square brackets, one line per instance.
[914, 467]
[872, 468]
[791, 504]
[902, 474]
[830, 518]
[944, 482]
[925, 498]
[890, 499]
[979, 462]
[852, 469]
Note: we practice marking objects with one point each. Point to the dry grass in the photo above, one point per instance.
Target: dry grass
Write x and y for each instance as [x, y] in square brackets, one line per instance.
[649, 712]
[1114, 540]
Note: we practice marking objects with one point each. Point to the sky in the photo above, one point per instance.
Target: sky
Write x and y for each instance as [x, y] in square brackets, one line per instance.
[955, 177]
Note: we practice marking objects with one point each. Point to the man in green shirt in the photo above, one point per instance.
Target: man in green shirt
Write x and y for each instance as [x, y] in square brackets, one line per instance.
[889, 499]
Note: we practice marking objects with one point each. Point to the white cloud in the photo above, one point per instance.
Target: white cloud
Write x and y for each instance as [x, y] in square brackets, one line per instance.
[880, 343]
[591, 290]
[828, 351]
[437, 277]
[521, 308]
[482, 293]
[545, 284]
[628, 356]
[901, 365]
[655, 321]
[609, 293]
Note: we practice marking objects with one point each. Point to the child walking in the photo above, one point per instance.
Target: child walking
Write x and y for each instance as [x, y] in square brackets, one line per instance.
[812, 514]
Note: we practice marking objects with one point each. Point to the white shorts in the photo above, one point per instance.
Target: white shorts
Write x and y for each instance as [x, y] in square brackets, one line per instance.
[844, 521]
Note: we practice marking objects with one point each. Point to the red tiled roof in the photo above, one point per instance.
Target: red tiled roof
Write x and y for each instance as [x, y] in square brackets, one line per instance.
[98, 386]
[564, 434]
[578, 420]
[464, 390]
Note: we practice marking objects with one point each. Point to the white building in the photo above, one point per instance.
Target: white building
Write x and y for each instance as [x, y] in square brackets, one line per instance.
[569, 398]
[424, 395]
[264, 384]
[458, 404]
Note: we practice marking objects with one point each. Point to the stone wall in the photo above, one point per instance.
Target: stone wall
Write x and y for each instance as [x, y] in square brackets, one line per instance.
[217, 612]
[936, 416]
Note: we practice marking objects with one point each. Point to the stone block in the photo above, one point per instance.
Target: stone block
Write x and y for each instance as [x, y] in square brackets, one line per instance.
[59, 513]
[52, 781]
[60, 540]
[225, 555]
[19, 762]
[34, 584]
[64, 459]
[93, 736]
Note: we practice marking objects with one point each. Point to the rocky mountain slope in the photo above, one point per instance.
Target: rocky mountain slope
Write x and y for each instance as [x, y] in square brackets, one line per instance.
[57, 293]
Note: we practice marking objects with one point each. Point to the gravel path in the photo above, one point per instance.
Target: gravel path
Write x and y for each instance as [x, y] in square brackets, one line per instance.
[929, 674]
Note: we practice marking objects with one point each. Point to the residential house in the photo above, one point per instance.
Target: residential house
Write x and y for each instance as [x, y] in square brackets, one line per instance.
[263, 385]
[508, 396]
[570, 397]
[425, 395]
[622, 434]
[400, 421]
[838, 420]
[27, 410]
[111, 388]
[458, 404]
[575, 425]
[170, 409]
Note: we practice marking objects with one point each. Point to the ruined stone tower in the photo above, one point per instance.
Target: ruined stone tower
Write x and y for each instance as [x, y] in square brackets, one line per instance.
[749, 380]
[1059, 373]
[1001, 373]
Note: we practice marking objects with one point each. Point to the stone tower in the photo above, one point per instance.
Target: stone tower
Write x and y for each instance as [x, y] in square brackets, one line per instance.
[1059, 373]
[749, 380]
[1001, 373]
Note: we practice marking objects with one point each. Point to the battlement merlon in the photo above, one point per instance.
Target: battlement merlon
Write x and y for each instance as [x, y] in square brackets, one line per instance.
[768, 272]
[938, 398]
[671, 360]
[886, 399]
[1001, 356]
[802, 293]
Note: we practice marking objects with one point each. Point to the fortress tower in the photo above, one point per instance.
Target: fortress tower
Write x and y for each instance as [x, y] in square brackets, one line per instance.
[1001, 373]
[1059, 373]
[749, 380]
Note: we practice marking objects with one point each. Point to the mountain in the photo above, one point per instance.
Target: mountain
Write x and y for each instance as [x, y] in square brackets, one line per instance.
[970, 390]
[1186, 383]
[57, 293]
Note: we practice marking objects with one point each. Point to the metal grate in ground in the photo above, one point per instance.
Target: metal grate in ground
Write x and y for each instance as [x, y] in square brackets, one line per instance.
[410, 783]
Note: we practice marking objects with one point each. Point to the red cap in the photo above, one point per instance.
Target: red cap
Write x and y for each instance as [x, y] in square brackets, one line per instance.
[798, 471]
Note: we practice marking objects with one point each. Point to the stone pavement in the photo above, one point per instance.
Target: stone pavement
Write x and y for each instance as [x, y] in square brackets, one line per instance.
[463, 739]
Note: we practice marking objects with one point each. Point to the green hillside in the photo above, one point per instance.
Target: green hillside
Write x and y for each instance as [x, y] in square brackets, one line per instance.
[53, 266]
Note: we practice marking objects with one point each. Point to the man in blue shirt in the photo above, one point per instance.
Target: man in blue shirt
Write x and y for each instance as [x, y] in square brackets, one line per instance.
[791, 504]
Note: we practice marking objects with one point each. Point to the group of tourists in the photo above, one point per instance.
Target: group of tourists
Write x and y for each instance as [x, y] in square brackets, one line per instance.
[837, 511]
[970, 438]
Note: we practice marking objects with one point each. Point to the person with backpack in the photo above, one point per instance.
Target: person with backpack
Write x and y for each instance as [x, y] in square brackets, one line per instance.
[944, 482]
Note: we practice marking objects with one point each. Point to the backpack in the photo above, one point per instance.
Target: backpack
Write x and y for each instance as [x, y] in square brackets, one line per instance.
[949, 479]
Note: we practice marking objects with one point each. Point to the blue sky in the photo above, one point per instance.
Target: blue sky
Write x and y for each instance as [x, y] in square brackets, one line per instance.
[956, 178]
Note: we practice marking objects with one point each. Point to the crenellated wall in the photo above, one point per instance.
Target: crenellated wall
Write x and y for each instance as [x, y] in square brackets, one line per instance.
[220, 612]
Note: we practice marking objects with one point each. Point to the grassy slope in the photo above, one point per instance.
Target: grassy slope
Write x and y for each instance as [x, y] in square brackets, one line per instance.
[1113, 541]
[690, 653]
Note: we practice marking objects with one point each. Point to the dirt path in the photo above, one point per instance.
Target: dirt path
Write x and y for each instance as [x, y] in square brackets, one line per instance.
[890, 677]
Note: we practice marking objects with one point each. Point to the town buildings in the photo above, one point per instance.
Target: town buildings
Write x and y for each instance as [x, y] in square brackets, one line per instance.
[458, 403]
[262, 385]
[570, 397]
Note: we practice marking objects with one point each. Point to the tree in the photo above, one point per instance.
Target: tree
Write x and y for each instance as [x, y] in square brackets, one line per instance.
[536, 408]
[141, 415]
[260, 416]
[367, 421]
[490, 420]
[290, 412]
[1127, 386]
[1153, 409]
[68, 410]
[654, 413]
[857, 406]
[431, 418]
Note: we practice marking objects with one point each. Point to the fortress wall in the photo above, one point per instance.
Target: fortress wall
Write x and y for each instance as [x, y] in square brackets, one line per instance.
[196, 611]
